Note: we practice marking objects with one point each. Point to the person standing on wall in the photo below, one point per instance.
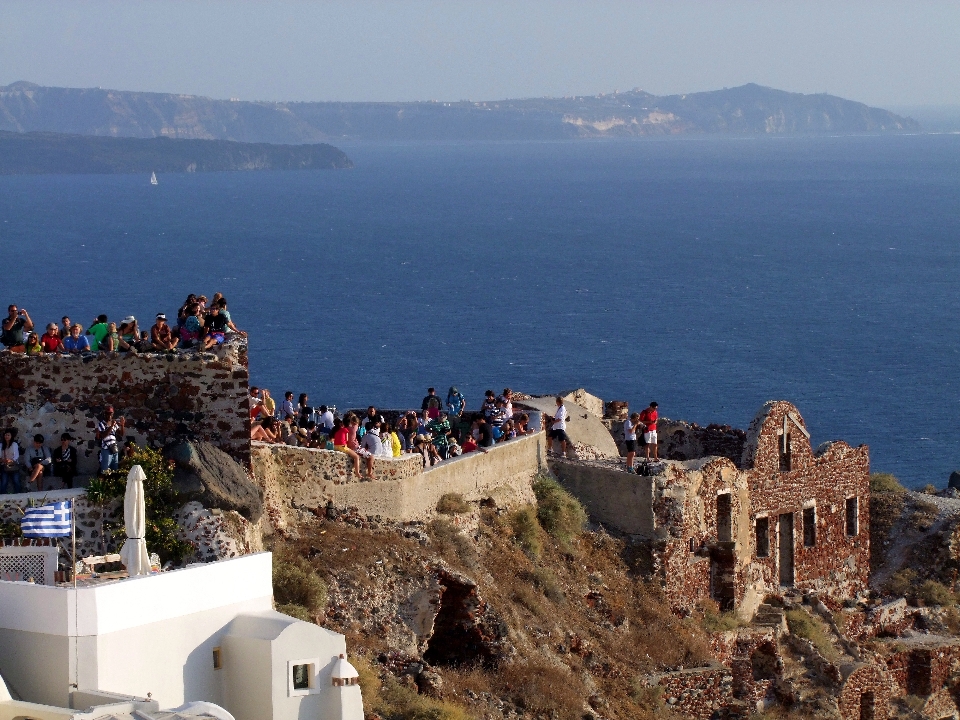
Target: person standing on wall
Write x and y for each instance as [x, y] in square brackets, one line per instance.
[648, 418]
[558, 427]
[630, 426]
[109, 432]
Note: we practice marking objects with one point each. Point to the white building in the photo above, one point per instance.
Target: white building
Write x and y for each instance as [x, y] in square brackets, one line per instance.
[205, 633]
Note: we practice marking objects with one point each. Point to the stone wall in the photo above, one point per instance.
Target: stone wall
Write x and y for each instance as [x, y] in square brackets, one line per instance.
[865, 693]
[214, 535]
[698, 693]
[162, 396]
[700, 516]
[305, 480]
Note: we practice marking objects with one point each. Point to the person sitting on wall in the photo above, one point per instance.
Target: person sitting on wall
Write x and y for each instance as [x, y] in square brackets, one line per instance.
[371, 446]
[341, 436]
[112, 342]
[33, 346]
[37, 461]
[192, 329]
[130, 333]
[216, 329]
[231, 329]
[18, 321]
[509, 431]
[161, 336]
[65, 461]
[484, 433]
[9, 461]
[76, 342]
[51, 339]
[267, 430]
[522, 425]
[109, 434]
[468, 445]
[97, 332]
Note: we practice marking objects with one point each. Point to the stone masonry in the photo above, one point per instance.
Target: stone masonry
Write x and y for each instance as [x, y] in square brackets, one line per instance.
[162, 396]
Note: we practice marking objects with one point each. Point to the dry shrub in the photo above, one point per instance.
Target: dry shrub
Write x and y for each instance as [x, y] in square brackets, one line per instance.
[929, 489]
[526, 530]
[804, 625]
[933, 593]
[559, 512]
[924, 515]
[716, 621]
[546, 690]
[295, 610]
[452, 504]
[885, 483]
[296, 584]
[369, 682]
[951, 618]
[400, 702]
[901, 583]
[547, 583]
[530, 599]
[453, 544]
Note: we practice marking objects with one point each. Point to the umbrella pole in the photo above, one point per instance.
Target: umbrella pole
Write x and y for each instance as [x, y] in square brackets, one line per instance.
[73, 540]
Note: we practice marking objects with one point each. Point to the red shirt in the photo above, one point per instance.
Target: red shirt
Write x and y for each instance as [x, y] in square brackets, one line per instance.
[469, 446]
[649, 418]
[51, 343]
[341, 436]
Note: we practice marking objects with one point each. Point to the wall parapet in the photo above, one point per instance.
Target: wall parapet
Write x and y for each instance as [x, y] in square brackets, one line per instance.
[294, 478]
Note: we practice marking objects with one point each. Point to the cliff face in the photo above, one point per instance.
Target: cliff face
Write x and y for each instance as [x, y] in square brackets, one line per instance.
[750, 109]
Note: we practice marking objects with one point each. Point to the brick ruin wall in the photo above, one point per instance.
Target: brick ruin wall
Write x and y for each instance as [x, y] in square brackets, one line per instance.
[199, 395]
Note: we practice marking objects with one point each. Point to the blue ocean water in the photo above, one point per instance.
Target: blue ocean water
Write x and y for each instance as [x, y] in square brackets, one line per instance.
[707, 274]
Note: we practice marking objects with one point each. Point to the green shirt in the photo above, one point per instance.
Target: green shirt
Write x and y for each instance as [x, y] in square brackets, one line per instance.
[97, 332]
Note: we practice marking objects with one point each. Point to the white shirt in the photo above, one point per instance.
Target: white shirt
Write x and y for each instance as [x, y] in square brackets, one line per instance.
[629, 430]
[326, 419]
[560, 418]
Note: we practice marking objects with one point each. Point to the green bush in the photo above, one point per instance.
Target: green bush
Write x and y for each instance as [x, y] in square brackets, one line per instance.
[559, 513]
[297, 611]
[526, 530]
[933, 593]
[885, 483]
[452, 504]
[295, 583]
[161, 500]
[546, 582]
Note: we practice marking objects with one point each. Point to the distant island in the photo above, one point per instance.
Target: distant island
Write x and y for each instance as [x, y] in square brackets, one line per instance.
[46, 153]
[747, 110]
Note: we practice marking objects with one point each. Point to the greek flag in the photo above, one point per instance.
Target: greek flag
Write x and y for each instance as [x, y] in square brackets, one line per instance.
[53, 520]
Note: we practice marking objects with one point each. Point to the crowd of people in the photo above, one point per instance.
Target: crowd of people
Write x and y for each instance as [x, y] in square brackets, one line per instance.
[440, 430]
[200, 324]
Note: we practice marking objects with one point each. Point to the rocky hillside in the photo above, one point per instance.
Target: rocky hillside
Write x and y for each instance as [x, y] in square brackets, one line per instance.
[747, 110]
[42, 152]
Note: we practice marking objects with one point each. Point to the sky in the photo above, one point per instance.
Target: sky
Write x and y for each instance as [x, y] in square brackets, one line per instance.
[881, 53]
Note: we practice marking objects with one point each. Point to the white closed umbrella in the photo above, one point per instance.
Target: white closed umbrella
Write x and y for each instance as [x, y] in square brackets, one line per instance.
[133, 554]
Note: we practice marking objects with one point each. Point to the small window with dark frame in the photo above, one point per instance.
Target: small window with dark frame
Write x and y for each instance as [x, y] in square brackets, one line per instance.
[785, 452]
[302, 676]
[217, 659]
[853, 517]
[809, 527]
[763, 537]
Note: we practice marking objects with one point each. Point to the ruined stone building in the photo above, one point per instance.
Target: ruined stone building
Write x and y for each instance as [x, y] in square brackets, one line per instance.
[761, 513]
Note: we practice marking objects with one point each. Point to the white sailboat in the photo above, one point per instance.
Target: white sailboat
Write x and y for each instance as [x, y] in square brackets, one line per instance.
[153, 178]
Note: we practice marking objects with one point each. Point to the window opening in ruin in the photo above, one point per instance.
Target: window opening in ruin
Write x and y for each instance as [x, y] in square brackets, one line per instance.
[785, 452]
[868, 702]
[853, 517]
[786, 548]
[693, 547]
[809, 527]
[217, 659]
[765, 663]
[763, 537]
[724, 518]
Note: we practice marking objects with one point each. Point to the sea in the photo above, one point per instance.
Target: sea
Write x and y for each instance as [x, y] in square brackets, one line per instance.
[707, 274]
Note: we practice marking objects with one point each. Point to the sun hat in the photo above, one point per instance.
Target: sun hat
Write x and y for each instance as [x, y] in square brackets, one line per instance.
[161, 316]
[128, 319]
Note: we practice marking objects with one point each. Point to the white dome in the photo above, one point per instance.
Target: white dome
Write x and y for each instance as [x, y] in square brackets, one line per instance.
[342, 670]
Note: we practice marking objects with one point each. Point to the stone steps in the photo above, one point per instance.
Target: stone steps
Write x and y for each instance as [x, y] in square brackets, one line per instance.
[768, 616]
